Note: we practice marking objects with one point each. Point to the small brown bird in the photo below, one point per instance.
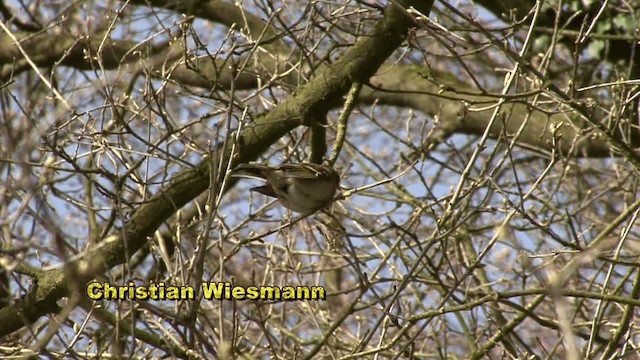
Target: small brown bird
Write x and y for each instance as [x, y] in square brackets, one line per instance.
[303, 188]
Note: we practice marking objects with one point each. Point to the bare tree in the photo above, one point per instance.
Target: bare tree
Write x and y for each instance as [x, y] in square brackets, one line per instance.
[487, 152]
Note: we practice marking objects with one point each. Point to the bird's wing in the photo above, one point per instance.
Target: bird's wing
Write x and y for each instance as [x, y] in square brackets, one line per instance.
[301, 170]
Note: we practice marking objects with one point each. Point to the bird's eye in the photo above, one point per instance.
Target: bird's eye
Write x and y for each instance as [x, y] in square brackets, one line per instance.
[285, 188]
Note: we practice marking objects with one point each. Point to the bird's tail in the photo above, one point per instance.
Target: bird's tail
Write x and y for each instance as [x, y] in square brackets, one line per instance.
[252, 171]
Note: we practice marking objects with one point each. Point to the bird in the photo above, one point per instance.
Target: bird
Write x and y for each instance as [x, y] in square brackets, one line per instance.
[301, 187]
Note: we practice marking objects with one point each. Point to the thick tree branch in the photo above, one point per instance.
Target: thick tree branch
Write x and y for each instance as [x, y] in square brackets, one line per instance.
[416, 88]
